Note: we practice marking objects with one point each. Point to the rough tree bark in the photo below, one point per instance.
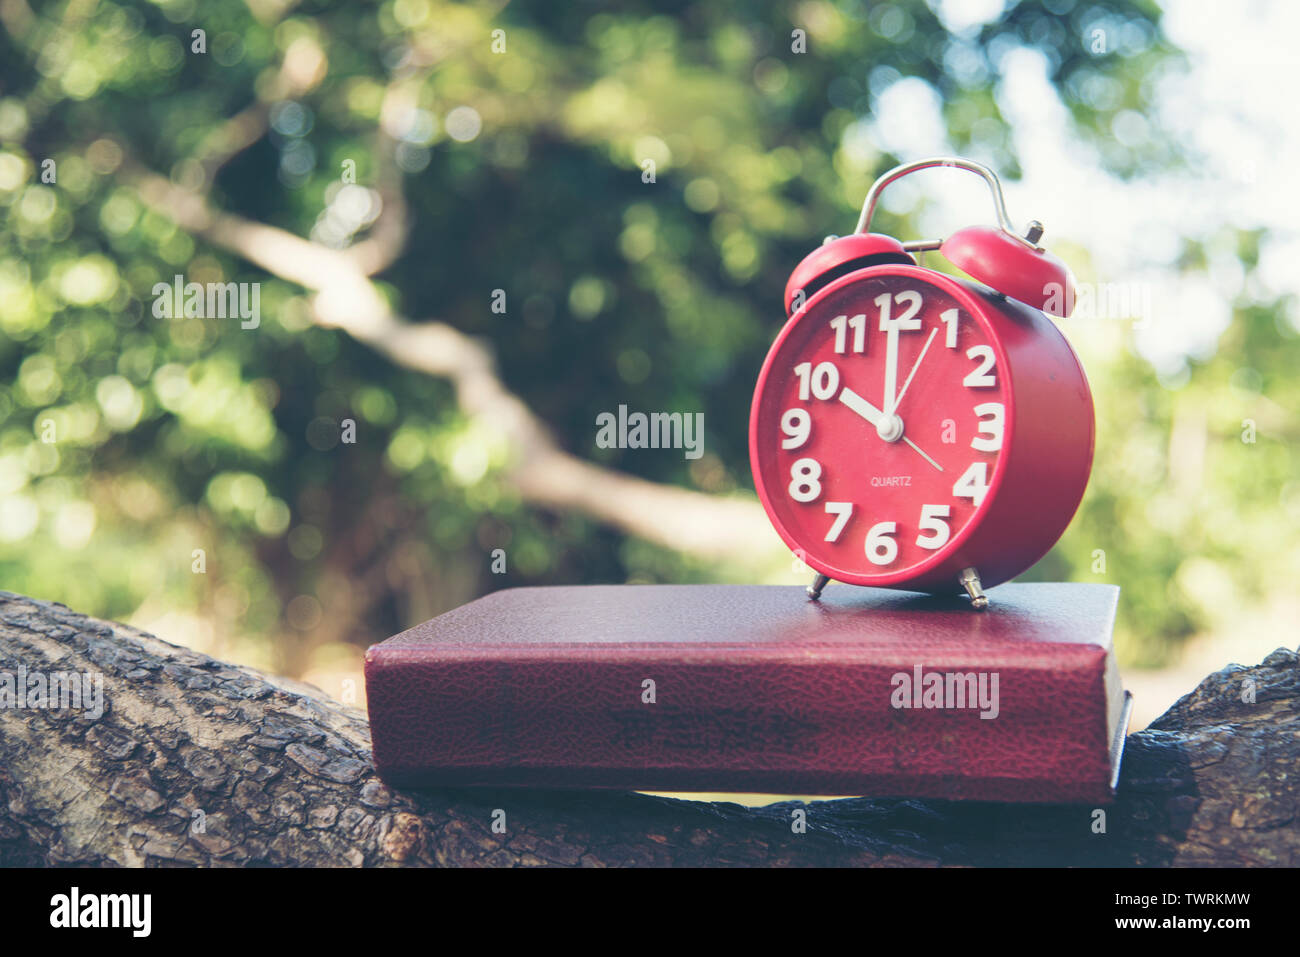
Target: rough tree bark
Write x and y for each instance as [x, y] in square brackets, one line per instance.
[282, 776]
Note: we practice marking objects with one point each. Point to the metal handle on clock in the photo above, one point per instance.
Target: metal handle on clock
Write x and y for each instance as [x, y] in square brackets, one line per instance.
[952, 162]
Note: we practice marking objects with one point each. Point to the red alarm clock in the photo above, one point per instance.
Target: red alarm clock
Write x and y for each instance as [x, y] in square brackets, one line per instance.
[919, 431]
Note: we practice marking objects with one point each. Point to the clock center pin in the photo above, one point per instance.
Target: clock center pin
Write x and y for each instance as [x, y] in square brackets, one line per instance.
[890, 428]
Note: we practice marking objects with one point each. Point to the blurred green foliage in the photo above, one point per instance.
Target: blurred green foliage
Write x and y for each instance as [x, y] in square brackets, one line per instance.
[185, 434]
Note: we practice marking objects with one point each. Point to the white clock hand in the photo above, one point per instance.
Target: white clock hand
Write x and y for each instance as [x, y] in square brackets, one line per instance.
[891, 364]
[861, 406]
[922, 454]
[902, 392]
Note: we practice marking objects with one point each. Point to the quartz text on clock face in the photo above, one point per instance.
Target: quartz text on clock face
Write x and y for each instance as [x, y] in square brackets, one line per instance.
[880, 426]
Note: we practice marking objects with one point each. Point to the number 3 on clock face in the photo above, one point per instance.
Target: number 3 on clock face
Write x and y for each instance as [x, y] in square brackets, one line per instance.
[878, 427]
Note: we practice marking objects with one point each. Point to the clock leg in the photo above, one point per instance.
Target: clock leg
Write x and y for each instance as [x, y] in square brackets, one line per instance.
[815, 589]
[969, 579]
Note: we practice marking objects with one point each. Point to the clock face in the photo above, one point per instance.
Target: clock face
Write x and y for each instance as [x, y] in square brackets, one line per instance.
[878, 425]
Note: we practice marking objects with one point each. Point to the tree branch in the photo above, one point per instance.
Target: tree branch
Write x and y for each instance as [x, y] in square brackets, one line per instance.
[705, 526]
[301, 71]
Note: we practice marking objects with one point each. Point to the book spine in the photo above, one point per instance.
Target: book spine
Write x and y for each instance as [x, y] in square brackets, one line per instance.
[782, 726]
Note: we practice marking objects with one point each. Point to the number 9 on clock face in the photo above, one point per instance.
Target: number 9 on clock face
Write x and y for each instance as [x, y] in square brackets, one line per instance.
[878, 428]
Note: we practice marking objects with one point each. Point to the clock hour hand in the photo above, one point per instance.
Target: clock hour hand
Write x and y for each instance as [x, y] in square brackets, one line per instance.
[862, 407]
[888, 427]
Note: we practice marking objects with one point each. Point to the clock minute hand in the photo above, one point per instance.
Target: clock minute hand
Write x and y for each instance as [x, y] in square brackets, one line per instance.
[891, 364]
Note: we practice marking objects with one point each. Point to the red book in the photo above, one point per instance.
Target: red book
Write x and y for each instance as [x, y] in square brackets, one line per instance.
[756, 688]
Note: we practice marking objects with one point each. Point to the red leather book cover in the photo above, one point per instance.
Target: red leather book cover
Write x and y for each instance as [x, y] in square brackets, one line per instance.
[756, 688]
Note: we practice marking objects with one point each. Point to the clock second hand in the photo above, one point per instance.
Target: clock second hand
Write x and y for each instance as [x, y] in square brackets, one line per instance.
[873, 415]
[898, 399]
[922, 454]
